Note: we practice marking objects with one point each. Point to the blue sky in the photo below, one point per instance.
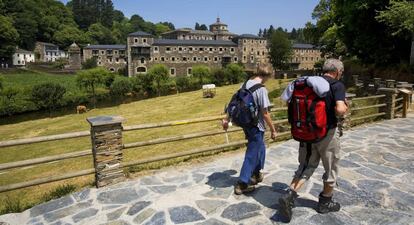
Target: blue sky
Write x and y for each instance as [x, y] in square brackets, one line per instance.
[242, 16]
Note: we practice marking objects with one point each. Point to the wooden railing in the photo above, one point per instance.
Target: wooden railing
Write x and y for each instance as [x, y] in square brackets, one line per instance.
[388, 105]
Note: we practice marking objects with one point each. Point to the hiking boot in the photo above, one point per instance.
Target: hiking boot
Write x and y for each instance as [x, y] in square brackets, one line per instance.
[242, 188]
[287, 202]
[256, 178]
[326, 205]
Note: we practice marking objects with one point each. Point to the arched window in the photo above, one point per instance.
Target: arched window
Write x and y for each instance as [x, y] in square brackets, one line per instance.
[141, 69]
[112, 70]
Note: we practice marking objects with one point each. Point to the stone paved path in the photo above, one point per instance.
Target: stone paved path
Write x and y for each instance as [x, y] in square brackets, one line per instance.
[376, 187]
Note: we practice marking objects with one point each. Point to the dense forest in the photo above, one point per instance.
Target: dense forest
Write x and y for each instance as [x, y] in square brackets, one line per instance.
[24, 22]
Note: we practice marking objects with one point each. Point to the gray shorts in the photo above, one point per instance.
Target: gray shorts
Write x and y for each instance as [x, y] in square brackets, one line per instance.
[327, 150]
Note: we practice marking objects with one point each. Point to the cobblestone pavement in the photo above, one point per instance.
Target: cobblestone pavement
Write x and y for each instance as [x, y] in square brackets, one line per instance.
[376, 187]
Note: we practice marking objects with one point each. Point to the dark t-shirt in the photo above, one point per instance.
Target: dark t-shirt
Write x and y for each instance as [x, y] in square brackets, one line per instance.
[337, 93]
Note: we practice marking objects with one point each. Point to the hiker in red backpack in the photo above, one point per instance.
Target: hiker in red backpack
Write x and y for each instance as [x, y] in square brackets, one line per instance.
[248, 109]
[314, 104]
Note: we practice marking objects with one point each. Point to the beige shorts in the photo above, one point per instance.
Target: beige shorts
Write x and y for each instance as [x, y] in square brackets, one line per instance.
[327, 150]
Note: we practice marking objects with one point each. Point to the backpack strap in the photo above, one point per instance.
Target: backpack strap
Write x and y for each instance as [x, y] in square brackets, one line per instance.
[255, 87]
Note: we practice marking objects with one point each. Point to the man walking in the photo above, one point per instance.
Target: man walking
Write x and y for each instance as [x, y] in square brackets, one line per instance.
[327, 149]
[254, 160]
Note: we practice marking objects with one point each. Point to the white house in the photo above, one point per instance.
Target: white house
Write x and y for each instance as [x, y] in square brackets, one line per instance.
[48, 52]
[21, 57]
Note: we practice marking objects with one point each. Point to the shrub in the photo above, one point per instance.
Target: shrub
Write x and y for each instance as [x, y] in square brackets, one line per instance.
[219, 77]
[8, 95]
[202, 73]
[93, 78]
[183, 83]
[90, 64]
[235, 73]
[120, 87]
[143, 84]
[60, 63]
[48, 95]
[1, 83]
[160, 75]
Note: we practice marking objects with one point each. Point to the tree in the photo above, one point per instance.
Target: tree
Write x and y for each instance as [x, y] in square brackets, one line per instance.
[203, 27]
[202, 73]
[107, 13]
[265, 33]
[399, 16]
[183, 83]
[160, 28]
[91, 79]
[197, 26]
[48, 96]
[99, 34]
[260, 34]
[118, 16]
[280, 50]
[8, 37]
[1, 83]
[143, 84]
[160, 74]
[234, 73]
[120, 87]
[69, 34]
[219, 76]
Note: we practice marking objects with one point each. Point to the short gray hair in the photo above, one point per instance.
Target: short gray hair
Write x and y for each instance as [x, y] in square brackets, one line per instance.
[333, 65]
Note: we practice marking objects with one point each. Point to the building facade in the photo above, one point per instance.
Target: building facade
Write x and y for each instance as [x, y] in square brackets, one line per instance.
[48, 52]
[21, 57]
[182, 49]
[305, 56]
[112, 57]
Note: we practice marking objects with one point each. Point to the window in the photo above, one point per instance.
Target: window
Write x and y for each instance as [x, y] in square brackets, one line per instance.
[220, 49]
[231, 49]
[112, 70]
[173, 59]
[244, 41]
[175, 49]
[141, 69]
[244, 58]
[162, 59]
[168, 49]
[236, 59]
[190, 49]
[172, 71]
[185, 59]
[189, 71]
[252, 58]
[142, 60]
[258, 53]
[211, 49]
[215, 59]
[244, 49]
[95, 52]
[116, 52]
[117, 60]
[122, 52]
[194, 59]
[109, 59]
[156, 49]
[201, 49]
[102, 52]
[180, 49]
[136, 40]
[311, 58]
[144, 40]
[155, 59]
[205, 59]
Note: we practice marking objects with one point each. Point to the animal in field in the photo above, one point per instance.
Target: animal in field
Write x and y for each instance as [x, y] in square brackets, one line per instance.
[81, 109]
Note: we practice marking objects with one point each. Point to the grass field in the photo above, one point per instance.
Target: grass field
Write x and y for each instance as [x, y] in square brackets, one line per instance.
[168, 108]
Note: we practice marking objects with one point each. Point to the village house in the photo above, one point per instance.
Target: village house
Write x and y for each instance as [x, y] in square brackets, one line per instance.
[48, 52]
[21, 57]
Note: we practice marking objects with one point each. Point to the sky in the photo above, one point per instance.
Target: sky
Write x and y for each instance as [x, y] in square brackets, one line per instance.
[242, 16]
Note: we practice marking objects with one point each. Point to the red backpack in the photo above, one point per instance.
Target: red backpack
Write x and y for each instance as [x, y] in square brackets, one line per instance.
[307, 114]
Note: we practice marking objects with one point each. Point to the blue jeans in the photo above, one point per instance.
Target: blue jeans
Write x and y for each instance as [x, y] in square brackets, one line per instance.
[254, 158]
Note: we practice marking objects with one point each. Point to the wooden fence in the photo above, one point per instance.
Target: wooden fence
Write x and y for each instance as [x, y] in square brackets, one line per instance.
[107, 146]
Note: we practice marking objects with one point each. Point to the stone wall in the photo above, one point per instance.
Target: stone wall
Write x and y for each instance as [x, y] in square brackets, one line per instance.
[254, 54]
[306, 58]
[113, 62]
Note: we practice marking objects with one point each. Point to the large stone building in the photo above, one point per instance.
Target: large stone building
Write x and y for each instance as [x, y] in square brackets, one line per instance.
[305, 56]
[182, 49]
[112, 57]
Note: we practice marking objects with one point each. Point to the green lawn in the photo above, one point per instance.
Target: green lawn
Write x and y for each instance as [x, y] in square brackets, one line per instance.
[175, 107]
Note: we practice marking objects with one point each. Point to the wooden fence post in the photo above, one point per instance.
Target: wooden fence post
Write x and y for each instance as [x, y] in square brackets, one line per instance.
[391, 96]
[390, 83]
[106, 137]
[355, 79]
[377, 83]
[345, 122]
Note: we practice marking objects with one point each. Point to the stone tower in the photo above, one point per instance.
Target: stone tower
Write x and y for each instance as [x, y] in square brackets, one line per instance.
[74, 57]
